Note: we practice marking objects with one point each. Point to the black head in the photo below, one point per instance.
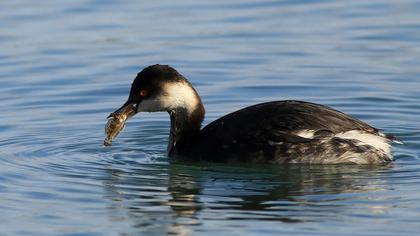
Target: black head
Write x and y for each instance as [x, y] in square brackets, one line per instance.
[151, 80]
[161, 88]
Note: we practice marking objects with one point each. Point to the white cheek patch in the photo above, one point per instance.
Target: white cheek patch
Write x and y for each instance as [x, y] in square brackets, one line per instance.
[174, 95]
[179, 95]
[150, 105]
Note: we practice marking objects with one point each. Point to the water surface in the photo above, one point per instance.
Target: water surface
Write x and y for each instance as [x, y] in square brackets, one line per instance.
[65, 65]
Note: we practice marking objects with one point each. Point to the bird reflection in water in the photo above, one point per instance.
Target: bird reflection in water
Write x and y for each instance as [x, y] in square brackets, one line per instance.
[173, 198]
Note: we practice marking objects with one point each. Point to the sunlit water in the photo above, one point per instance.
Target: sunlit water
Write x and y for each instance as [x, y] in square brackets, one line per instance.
[64, 65]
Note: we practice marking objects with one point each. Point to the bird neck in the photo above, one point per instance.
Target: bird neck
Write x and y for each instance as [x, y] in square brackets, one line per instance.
[185, 127]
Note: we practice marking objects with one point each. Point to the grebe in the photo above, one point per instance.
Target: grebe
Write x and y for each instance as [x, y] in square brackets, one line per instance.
[272, 132]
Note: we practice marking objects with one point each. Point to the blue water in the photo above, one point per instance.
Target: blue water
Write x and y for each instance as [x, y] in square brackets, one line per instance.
[64, 65]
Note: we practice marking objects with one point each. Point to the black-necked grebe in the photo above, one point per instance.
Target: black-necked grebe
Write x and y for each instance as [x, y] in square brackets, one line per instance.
[272, 132]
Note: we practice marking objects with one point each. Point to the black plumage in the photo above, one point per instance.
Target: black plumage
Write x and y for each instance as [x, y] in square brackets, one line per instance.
[269, 132]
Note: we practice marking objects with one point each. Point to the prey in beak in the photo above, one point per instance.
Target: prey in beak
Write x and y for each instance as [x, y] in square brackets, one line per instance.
[128, 107]
[155, 89]
[116, 121]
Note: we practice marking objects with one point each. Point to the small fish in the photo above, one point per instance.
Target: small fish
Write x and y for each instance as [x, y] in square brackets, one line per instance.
[116, 123]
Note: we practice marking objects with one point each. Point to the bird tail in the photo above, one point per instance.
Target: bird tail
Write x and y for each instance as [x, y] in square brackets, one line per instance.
[393, 139]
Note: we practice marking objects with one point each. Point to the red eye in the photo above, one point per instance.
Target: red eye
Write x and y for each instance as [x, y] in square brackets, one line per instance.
[143, 93]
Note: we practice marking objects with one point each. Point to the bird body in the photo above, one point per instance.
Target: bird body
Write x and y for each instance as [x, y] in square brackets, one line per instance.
[273, 132]
[291, 132]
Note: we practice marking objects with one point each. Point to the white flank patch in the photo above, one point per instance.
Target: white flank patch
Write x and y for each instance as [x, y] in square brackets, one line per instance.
[378, 142]
[306, 133]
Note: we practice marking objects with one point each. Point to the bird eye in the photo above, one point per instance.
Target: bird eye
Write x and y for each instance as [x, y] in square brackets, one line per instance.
[143, 93]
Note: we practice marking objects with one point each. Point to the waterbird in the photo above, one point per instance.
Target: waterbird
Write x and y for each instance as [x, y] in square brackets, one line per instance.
[275, 132]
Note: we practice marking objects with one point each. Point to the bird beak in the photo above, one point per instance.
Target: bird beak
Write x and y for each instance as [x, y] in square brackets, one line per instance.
[129, 109]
